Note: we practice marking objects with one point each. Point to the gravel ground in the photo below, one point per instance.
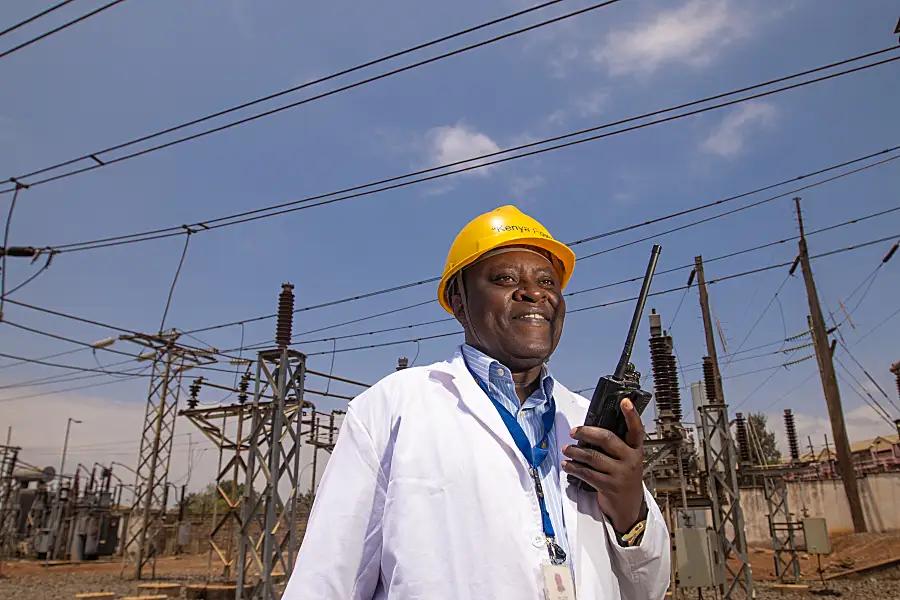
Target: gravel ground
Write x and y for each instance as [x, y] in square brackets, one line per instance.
[64, 586]
[861, 589]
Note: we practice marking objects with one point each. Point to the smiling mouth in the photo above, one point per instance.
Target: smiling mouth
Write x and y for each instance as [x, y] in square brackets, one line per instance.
[533, 318]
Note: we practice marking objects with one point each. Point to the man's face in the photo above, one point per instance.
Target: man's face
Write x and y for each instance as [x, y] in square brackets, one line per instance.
[515, 306]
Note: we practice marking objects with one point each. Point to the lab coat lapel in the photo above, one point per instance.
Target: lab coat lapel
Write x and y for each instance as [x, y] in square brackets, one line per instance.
[567, 417]
[475, 401]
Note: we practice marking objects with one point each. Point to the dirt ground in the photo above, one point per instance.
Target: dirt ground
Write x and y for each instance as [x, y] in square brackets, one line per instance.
[31, 580]
[848, 552]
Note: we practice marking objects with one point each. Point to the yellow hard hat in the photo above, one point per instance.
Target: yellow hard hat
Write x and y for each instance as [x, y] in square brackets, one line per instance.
[505, 226]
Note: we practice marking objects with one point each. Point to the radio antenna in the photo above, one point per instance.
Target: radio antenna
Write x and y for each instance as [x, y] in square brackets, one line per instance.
[638, 313]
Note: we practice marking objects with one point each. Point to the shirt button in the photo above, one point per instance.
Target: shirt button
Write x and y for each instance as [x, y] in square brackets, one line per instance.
[501, 372]
[537, 541]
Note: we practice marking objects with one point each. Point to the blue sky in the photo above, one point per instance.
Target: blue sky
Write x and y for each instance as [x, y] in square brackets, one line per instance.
[142, 66]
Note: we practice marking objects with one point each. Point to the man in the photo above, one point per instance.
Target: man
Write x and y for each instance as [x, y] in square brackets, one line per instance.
[450, 481]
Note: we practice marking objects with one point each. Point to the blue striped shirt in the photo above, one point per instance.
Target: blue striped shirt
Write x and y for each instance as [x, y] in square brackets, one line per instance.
[528, 414]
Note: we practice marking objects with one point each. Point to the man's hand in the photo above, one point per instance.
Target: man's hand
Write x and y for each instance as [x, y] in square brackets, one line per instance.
[617, 475]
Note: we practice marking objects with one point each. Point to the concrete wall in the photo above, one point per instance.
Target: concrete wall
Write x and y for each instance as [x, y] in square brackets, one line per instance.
[880, 498]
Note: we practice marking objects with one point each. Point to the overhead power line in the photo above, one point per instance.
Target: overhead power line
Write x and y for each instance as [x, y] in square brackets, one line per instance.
[598, 236]
[35, 17]
[479, 161]
[582, 309]
[70, 367]
[97, 323]
[569, 294]
[55, 29]
[624, 300]
[98, 160]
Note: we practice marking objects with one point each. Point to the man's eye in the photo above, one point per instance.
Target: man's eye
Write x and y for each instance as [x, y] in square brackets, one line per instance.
[504, 278]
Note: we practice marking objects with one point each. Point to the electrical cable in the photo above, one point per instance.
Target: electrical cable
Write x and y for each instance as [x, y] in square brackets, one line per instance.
[71, 389]
[630, 299]
[480, 162]
[38, 273]
[877, 327]
[570, 294]
[61, 378]
[883, 417]
[60, 28]
[874, 404]
[59, 366]
[187, 240]
[869, 377]
[711, 282]
[35, 17]
[760, 318]
[9, 216]
[70, 340]
[620, 230]
[55, 355]
[94, 156]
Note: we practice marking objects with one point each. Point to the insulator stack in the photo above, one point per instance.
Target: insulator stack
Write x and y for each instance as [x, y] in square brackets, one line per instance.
[402, 363]
[194, 390]
[743, 439]
[895, 369]
[709, 380]
[791, 429]
[285, 316]
[243, 386]
[665, 374]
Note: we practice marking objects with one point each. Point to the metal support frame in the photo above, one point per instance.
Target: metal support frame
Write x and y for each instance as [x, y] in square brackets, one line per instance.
[228, 427]
[270, 499]
[9, 456]
[727, 516]
[781, 527]
[147, 515]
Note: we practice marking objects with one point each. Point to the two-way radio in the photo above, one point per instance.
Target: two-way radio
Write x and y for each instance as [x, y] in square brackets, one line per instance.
[605, 409]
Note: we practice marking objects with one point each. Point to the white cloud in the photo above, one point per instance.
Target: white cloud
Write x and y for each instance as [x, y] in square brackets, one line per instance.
[692, 34]
[728, 138]
[592, 104]
[450, 144]
[521, 186]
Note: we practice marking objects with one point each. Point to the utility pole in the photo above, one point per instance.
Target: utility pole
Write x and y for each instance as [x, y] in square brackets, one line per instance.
[829, 385]
[721, 465]
[708, 327]
[62, 462]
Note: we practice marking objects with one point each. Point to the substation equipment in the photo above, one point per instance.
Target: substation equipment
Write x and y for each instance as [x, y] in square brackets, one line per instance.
[259, 502]
[696, 487]
[77, 520]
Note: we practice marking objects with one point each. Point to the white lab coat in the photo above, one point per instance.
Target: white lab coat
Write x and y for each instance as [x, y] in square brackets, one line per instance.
[427, 497]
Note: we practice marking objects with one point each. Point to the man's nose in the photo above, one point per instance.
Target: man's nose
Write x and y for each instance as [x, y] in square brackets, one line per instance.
[530, 291]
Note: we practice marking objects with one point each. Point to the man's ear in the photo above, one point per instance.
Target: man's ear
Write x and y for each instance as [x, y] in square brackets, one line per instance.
[459, 312]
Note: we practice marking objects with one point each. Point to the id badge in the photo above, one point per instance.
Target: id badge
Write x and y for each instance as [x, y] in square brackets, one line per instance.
[558, 582]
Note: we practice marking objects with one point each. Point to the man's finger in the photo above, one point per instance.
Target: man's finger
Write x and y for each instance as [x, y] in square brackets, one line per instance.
[603, 439]
[635, 435]
[595, 460]
[596, 479]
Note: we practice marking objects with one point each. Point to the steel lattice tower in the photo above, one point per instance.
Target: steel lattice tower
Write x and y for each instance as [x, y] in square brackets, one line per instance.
[269, 508]
[144, 529]
[727, 516]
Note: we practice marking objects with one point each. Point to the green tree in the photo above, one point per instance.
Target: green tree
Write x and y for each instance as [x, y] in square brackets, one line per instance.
[202, 502]
[762, 438]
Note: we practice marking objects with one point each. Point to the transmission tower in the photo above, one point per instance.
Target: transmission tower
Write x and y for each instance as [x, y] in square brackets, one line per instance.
[268, 542]
[143, 533]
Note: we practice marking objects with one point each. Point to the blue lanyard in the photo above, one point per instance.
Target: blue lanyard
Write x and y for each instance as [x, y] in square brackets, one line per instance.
[535, 456]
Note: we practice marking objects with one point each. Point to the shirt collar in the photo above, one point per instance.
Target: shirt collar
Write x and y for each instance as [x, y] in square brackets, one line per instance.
[484, 365]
